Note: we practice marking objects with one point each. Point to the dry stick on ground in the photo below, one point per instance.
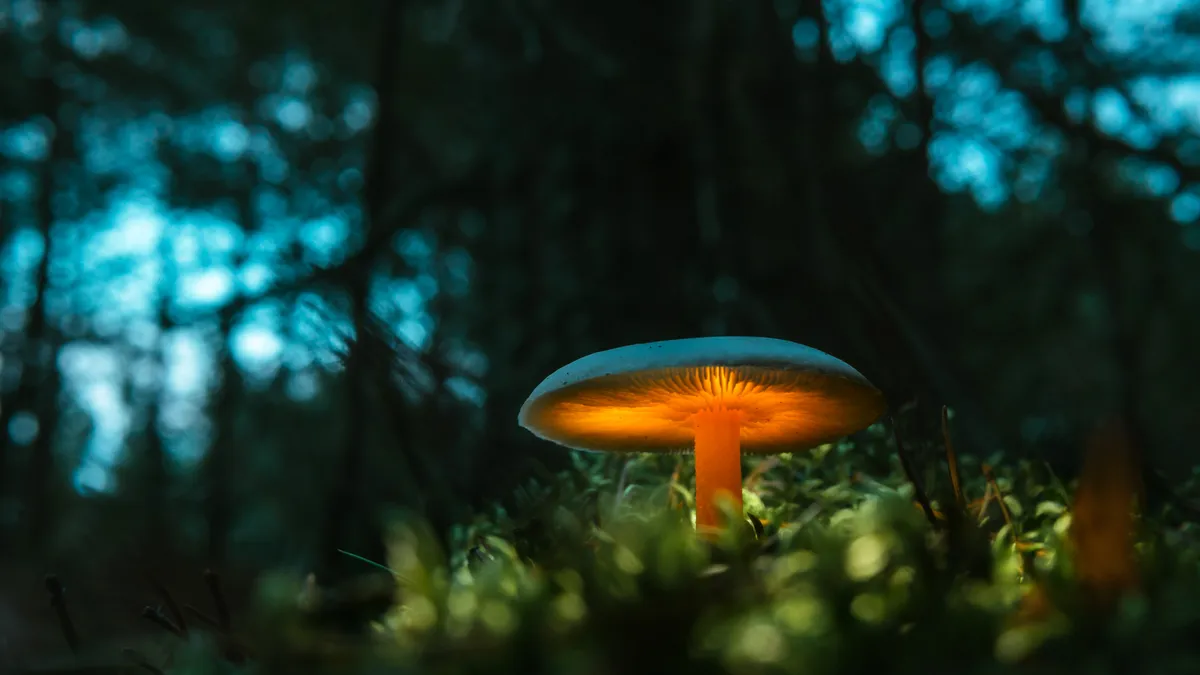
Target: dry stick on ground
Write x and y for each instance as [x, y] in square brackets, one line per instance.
[952, 463]
[204, 618]
[176, 616]
[221, 622]
[990, 476]
[161, 620]
[232, 650]
[213, 581]
[59, 602]
[910, 472]
[983, 503]
[136, 658]
[1012, 527]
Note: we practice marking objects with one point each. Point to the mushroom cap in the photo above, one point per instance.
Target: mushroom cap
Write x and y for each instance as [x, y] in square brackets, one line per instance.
[644, 397]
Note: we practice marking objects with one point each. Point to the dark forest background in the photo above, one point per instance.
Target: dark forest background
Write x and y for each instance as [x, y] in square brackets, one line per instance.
[269, 268]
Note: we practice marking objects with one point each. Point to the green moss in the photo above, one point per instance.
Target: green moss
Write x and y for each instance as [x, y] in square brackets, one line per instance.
[832, 573]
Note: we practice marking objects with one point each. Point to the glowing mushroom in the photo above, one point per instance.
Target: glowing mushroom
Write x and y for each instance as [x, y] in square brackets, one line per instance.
[716, 396]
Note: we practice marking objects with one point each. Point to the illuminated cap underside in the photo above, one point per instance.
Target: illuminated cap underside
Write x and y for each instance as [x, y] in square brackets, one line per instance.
[654, 410]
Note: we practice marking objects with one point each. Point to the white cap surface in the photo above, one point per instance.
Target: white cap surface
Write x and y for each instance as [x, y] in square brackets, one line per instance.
[643, 398]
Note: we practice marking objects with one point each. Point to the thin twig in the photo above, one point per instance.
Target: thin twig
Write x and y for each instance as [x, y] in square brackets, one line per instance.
[162, 621]
[397, 217]
[983, 503]
[806, 516]
[621, 486]
[991, 479]
[59, 602]
[1012, 526]
[673, 483]
[204, 618]
[176, 616]
[910, 472]
[761, 470]
[952, 463]
[213, 581]
[136, 658]
[1057, 483]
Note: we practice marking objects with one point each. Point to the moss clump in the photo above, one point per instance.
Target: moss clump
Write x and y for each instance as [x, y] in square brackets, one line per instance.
[598, 570]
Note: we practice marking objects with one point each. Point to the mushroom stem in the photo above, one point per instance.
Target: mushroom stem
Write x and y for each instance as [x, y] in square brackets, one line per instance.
[718, 465]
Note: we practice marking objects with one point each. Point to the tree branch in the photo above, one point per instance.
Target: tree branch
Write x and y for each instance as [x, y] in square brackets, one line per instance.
[1049, 107]
[338, 275]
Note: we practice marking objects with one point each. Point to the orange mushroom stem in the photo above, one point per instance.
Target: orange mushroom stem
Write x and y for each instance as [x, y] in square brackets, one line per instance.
[718, 465]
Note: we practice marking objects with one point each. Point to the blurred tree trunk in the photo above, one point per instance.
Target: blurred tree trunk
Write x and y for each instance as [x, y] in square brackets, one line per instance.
[343, 501]
[916, 256]
[41, 380]
[883, 301]
[7, 400]
[919, 251]
[1110, 247]
[217, 472]
[155, 484]
[506, 250]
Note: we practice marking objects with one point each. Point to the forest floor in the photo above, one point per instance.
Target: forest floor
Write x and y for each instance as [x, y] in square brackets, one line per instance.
[840, 565]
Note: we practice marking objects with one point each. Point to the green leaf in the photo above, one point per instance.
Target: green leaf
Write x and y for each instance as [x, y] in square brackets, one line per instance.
[1049, 508]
